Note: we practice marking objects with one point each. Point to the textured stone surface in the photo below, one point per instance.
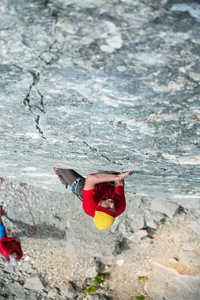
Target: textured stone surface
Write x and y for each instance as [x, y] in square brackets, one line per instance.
[83, 238]
[174, 244]
[52, 294]
[101, 85]
[165, 207]
[17, 290]
[195, 225]
[68, 290]
[167, 283]
[138, 222]
[34, 284]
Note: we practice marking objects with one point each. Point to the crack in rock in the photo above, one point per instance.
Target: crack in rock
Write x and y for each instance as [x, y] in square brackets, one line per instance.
[35, 109]
[46, 55]
[102, 155]
[38, 127]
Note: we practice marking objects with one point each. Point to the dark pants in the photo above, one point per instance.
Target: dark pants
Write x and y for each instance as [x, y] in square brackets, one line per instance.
[68, 177]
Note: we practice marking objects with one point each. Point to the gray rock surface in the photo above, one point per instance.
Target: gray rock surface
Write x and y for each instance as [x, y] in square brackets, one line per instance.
[86, 241]
[119, 254]
[195, 226]
[137, 222]
[105, 85]
[17, 290]
[68, 290]
[187, 257]
[150, 223]
[52, 294]
[31, 297]
[165, 207]
[34, 284]
[167, 283]
[137, 236]
[98, 297]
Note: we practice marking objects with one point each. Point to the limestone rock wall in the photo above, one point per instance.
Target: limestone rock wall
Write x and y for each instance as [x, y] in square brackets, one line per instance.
[101, 86]
[180, 285]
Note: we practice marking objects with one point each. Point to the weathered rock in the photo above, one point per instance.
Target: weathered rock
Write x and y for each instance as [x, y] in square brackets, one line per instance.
[188, 202]
[150, 223]
[133, 205]
[2, 261]
[167, 283]
[115, 226]
[137, 236]
[98, 85]
[68, 290]
[56, 220]
[31, 296]
[138, 221]
[91, 272]
[14, 211]
[58, 107]
[10, 269]
[17, 290]
[173, 261]
[34, 284]
[122, 228]
[120, 262]
[52, 294]
[82, 240]
[26, 267]
[195, 226]
[98, 297]
[188, 257]
[165, 207]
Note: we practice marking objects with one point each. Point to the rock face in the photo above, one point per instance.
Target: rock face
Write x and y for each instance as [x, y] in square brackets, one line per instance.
[68, 291]
[16, 289]
[83, 240]
[101, 86]
[166, 283]
[34, 284]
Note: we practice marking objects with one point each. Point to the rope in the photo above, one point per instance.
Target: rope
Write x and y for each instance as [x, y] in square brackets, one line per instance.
[33, 230]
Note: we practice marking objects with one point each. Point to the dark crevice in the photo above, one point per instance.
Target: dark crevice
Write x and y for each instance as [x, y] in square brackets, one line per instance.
[36, 77]
[180, 210]
[47, 51]
[37, 119]
[176, 258]
[102, 155]
[47, 2]
[40, 131]
[20, 68]
[46, 62]
[35, 108]
[54, 14]
[121, 245]
[41, 100]
[150, 231]
[25, 44]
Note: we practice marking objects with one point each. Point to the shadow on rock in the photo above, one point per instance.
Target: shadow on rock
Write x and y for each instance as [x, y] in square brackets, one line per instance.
[42, 230]
[121, 245]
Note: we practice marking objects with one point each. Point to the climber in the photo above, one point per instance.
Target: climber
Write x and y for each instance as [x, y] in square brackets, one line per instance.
[102, 194]
[10, 247]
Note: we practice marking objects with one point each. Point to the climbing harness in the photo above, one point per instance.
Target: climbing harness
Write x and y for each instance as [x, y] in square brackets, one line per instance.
[75, 184]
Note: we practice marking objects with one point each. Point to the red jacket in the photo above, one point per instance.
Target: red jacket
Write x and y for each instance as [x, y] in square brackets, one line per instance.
[8, 246]
[91, 199]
